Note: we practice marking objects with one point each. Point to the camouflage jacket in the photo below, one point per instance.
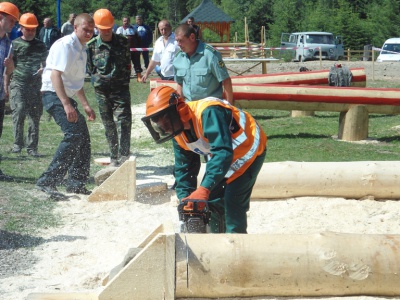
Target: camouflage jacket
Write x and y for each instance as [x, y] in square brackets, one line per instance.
[28, 57]
[109, 62]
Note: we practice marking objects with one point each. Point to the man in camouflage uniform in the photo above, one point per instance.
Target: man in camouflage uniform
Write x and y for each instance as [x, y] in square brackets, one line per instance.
[109, 63]
[29, 55]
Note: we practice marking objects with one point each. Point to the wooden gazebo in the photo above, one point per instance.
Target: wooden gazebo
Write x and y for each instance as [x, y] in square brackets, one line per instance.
[207, 15]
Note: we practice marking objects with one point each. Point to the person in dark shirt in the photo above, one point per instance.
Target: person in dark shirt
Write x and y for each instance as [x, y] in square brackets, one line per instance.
[49, 34]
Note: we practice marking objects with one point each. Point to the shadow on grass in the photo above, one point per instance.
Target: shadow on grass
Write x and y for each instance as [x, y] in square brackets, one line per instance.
[389, 139]
[298, 136]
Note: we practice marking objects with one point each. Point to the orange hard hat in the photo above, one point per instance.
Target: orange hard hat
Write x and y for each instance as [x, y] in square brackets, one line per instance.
[159, 99]
[10, 9]
[28, 20]
[103, 19]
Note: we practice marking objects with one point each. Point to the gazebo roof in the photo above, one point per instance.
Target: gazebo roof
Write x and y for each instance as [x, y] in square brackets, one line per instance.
[207, 12]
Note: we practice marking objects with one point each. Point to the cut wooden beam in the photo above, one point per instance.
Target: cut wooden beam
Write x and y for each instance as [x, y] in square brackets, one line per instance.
[121, 185]
[309, 265]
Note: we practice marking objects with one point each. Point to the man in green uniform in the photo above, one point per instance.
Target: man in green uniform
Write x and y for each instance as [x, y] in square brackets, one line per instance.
[29, 55]
[109, 63]
[199, 69]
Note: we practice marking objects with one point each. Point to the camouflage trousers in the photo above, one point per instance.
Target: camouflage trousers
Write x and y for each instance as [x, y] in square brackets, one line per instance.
[26, 102]
[115, 112]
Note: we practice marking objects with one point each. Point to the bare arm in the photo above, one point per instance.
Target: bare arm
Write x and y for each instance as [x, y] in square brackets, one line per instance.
[150, 68]
[7, 79]
[227, 84]
[179, 90]
[85, 104]
[72, 115]
[9, 65]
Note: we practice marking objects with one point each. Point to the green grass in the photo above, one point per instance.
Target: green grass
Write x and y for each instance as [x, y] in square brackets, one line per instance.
[289, 139]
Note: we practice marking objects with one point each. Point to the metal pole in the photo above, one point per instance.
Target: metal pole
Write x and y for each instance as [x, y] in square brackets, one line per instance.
[59, 13]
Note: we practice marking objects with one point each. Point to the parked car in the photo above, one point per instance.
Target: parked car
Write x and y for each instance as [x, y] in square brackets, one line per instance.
[308, 44]
[390, 50]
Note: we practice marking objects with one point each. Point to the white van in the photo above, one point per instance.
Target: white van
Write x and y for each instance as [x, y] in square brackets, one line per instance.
[390, 50]
[307, 45]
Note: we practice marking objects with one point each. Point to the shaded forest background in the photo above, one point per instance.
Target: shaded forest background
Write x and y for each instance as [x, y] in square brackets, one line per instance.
[360, 22]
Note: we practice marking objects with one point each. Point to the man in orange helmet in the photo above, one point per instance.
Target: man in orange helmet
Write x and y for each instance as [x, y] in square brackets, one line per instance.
[109, 63]
[29, 55]
[9, 14]
[233, 140]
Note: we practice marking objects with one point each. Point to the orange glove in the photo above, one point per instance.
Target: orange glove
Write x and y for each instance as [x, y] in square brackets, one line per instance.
[200, 194]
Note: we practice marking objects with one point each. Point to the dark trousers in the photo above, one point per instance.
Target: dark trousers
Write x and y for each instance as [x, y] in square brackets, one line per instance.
[135, 58]
[146, 60]
[2, 112]
[26, 102]
[234, 199]
[73, 152]
[115, 102]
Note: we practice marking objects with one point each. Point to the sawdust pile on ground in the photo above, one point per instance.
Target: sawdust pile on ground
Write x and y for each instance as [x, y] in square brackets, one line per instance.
[96, 236]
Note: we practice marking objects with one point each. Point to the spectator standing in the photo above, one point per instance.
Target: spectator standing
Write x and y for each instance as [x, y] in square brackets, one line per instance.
[199, 69]
[68, 27]
[146, 38]
[164, 51]
[109, 63]
[190, 21]
[63, 78]
[134, 42]
[9, 14]
[48, 34]
[29, 55]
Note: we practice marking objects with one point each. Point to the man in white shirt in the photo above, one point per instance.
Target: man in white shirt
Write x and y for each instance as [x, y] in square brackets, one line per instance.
[63, 78]
[164, 52]
[68, 27]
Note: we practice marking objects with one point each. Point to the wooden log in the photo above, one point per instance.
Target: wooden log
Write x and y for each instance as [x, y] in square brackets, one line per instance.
[289, 78]
[325, 264]
[319, 94]
[353, 124]
[319, 77]
[354, 180]
[173, 266]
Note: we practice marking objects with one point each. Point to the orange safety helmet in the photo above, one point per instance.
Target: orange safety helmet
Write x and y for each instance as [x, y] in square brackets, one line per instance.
[28, 20]
[165, 114]
[9, 9]
[103, 19]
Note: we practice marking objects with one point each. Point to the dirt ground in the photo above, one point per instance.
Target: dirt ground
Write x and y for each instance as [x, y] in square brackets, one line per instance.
[95, 237]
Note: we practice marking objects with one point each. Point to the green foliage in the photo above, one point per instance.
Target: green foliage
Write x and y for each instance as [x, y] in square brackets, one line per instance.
[360, 22]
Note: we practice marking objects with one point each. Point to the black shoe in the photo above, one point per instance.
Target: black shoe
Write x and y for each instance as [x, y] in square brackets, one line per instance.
[33, 153]
[51, 191]
[173, 187]
[78, 190]
[16, 149]
[4, 177]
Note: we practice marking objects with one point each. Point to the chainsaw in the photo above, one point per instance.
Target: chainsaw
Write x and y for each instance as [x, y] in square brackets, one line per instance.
[195, 220]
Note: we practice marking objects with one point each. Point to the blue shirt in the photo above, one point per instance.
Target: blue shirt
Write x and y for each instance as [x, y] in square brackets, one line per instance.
[200, 75]
[4, 49]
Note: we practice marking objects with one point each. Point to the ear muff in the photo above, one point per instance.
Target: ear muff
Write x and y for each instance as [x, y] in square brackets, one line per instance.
[184, 112]
[181, 107]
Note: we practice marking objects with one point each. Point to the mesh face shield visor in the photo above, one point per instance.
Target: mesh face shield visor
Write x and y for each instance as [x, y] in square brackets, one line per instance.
[164, 125]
